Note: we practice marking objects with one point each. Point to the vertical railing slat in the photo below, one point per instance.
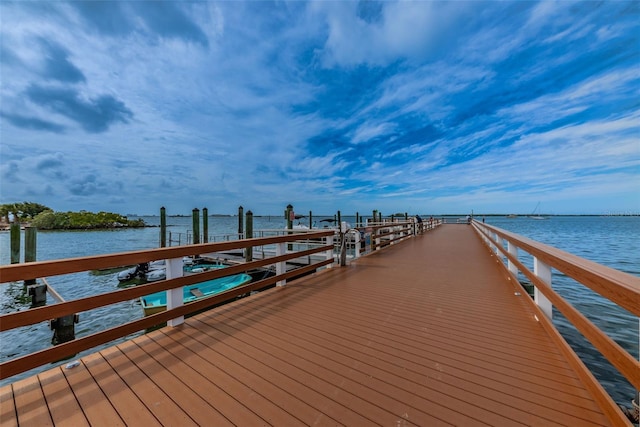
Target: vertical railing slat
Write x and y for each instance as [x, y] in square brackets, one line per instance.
[174, 296]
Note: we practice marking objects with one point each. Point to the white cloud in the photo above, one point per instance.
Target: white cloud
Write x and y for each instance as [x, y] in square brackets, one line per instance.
[259, 114]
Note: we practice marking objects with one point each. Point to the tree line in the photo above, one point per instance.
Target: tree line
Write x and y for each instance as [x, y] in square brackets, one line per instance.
[44, 218]
[21, 212]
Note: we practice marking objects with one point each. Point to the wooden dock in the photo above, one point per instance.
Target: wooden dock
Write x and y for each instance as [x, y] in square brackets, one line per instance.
[429, 332]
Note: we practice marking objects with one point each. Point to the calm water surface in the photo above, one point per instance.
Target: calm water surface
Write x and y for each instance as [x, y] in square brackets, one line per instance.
[611, 241]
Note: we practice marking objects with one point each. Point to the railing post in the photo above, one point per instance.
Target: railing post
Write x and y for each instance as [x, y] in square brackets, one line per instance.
[513, 251]
[543, 271]
[494, 247]
[329, 252]
[175, 296]
[356, 239]
[281, 267]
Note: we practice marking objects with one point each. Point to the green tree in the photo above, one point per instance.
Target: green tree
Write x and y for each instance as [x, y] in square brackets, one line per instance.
[21, 211]
[82, 220]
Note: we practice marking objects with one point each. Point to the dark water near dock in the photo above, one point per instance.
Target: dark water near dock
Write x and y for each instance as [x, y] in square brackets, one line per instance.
[611, 241]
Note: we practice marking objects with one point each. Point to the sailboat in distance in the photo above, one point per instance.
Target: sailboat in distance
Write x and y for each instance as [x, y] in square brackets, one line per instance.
[536, 213]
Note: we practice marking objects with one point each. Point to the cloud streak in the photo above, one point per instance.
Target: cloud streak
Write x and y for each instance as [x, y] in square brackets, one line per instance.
[93, 115]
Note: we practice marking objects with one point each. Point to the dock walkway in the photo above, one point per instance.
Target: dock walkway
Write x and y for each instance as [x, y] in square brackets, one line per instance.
[429, 332]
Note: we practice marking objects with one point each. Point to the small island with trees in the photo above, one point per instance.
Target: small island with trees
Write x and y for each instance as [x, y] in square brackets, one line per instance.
[44, 218]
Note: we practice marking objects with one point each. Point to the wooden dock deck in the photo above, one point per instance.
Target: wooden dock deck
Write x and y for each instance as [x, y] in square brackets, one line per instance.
[430, 332]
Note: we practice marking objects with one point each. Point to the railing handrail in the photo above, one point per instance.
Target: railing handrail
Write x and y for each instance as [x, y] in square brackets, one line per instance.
[56, 267]
[37, 269]
[617, 286]
[625, 289]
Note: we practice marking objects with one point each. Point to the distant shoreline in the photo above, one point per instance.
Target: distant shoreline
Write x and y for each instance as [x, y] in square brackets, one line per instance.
[475, 215]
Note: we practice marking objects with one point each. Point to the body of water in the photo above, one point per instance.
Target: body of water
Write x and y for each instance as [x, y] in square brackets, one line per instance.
[611, 241]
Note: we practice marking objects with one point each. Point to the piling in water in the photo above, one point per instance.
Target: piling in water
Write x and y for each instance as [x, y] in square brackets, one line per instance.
[240, 223]
[15, 243]
[30, 239]
[38, 294]
[288, 214]
[63, 329]
[205, 225]
[249, 250]
[163, 227]
[196, 226]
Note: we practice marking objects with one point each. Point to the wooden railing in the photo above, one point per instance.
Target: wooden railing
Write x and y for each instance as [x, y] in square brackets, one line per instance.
[322, 244]
[620, 288]
[382, 234]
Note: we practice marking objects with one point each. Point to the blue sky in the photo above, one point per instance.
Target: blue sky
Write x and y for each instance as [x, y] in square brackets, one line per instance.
[423, 107]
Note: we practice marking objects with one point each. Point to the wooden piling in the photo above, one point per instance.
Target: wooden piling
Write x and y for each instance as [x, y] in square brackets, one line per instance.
[288, 213]
[205, 225]
[15, 243]
[196, 225]
[249, 250]
[240, 221]
[63, 329]
[310, 220]
[163, 227]
[30, 238]
[288, 216]
[38, 294]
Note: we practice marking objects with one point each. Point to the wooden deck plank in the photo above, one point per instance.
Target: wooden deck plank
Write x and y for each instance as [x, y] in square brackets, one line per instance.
[562, 375]
[428, 332]
[304, 413]
[462, 384]
[94, 403]
[390, 340]
[125, 402]
[8, 416]
[309, 388]
[31, 406]
[250, 389]
[194, 404]
[157, 400]
[344, 385]
[173, 356]
[63, 406]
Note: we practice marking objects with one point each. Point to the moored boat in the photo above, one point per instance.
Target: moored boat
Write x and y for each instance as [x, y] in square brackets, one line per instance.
[157, 302]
